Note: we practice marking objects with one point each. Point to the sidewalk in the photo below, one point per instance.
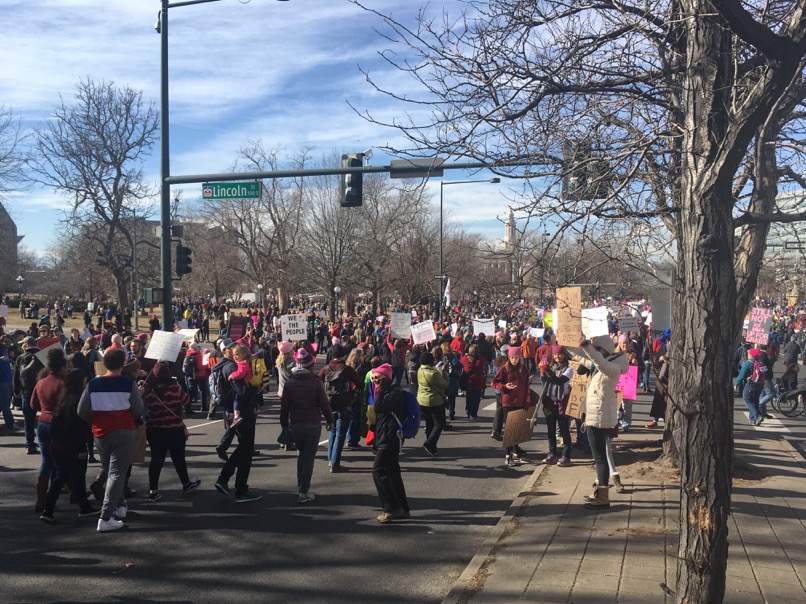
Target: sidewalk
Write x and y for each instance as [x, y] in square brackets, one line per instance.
[549, 548]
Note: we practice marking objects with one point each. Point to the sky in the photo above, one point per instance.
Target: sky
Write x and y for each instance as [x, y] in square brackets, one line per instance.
[279, 72]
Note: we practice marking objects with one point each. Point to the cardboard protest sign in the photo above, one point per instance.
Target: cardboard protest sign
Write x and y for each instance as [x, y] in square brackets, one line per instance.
[100, 368]
[42, 355]
[4, 311]
[579, 388]
[569, 316]
[423, 332]
[165, 346]
[628, 383]
[519, 428]
[401, 325]
[294, 327]
[485, 326]
[628, 324]
[758, 330]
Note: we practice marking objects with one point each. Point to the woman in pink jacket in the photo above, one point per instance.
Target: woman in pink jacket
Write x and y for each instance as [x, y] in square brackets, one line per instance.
[513, 380]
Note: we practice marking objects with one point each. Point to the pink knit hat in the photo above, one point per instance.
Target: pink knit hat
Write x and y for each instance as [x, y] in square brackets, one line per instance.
[304, 359]
[284, 346]
[385, 369]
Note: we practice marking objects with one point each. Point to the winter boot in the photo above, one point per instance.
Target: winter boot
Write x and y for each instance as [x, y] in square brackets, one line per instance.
[41, 492]
[616, 480]
[600, 501]
[592, 496]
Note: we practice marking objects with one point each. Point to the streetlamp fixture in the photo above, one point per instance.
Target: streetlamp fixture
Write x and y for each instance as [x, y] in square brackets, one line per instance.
[442, 276]
[337, 291]
[20, 281]
[260, 294]
[543, 263]
[166, 276]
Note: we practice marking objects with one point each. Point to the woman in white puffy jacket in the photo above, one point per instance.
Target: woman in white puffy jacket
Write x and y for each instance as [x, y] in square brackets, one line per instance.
[601, 408]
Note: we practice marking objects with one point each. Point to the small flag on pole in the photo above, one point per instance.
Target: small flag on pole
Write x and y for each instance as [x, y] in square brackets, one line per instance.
[448, 293]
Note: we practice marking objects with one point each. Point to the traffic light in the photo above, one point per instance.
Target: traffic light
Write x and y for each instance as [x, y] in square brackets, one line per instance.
[351, 184]
[183, 260]
[585, 176]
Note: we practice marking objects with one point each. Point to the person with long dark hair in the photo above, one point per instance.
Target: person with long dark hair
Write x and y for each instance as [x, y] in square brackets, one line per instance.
[165, 401]
[512, 379]
[68, 447]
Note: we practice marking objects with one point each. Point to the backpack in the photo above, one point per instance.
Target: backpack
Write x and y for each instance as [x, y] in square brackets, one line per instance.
[411, 423]
[29, 369]
[338, 389]
[226, 393]
[189, 366]
[759, 372]
[260, 375]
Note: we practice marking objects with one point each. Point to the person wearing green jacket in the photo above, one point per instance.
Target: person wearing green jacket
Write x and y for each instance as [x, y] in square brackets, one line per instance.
[432, 383]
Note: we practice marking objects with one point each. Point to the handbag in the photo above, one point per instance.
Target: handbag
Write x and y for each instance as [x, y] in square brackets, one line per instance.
[285, 437]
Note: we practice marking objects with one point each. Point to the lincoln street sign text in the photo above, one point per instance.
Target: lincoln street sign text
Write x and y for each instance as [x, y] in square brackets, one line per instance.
[231, 190]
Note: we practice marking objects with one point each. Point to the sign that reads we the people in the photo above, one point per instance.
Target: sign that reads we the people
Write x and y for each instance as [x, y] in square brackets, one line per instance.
[295, 327]
[758, 329]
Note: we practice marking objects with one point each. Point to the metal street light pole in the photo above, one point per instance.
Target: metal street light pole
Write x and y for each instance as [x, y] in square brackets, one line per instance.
[337, 291]
[441, 275]
[542, 264]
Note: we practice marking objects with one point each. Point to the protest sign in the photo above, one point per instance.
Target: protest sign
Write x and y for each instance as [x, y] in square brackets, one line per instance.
[594, 321]
[548, 318]
[401, 325]
[423, 332]
[90, 306]
[569, 316]
[294, 327]
[188, 335]
[628, 383]
[628, 324]
[536, 332]
[4, 311]
[579, 388]
[502, 323]
[485, 326]
[165, 346]
[758, 330]
[454, 328]
[42, 355]
[182, 324]
[100, 368]
[518, 428]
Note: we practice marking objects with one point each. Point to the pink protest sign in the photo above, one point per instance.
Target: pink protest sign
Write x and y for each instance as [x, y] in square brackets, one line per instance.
[758, 329]
[627, 383]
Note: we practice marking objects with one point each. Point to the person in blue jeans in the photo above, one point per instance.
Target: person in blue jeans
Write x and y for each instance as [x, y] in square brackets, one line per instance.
[341, 385]
[24, 386]
[751, 388]
[5, 381]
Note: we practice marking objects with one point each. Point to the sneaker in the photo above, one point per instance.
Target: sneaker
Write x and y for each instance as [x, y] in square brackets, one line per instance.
[31, 450]
[432, 451]
[759, 420]
[47, 517]
[496, 436]
[767, 416]
[550, 459]
[355, 447]
[192, 485]
[212, 416]
[509, 460]
[154, 496]
[88, 511]
[113, 524]
[337, 469]
[221, 450]
[93, 459]
[222, 487]
[235, 422]
[564, 462]
[247, 496]
[652, 424]
[305, 497]
[121, 512]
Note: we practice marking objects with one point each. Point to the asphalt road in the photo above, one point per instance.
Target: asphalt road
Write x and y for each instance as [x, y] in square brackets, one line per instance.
[203, 547]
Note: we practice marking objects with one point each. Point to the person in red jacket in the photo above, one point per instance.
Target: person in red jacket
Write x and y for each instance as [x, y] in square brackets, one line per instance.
[513, 380]
[200, 382]
[473, 380]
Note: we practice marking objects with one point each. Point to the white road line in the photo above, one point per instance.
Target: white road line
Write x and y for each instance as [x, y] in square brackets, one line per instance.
[490, 407]
[215, 421]
[770, 425]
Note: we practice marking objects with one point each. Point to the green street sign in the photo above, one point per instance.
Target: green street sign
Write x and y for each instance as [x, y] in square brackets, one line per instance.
[231, 190]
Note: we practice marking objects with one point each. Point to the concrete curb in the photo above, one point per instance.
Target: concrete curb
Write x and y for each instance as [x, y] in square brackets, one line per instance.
[486, 550]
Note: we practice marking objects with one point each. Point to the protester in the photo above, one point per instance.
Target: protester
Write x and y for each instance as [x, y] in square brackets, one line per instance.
[513, 380]
[432, 383]
[341, 385]
[557, 378]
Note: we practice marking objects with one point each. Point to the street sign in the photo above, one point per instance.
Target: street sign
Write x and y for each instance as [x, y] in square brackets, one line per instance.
[416, 168]
[231, 190]
[440, 276]
[794, 245]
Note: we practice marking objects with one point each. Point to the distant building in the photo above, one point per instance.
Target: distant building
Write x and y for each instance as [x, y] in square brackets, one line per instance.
[9, 259]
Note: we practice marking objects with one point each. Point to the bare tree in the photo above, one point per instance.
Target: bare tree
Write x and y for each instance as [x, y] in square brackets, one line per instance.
[92, 152]
[682, 113]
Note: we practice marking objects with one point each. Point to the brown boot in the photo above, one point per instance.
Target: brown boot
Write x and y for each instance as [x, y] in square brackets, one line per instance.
[41, 492]
[592, 496]
[600, 500]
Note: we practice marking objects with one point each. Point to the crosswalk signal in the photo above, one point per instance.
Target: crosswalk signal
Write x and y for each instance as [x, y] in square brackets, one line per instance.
[351, 184]
[183, 260]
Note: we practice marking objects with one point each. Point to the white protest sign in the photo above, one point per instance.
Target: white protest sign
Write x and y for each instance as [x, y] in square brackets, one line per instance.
[295, 327]
[454, 328]
[42, 355]
[90, 306]
[423, 332]
[485, 326]
[413, 313]
[165, 346]
[536, 332]
[627, 324]
[4, 311]
[594, 321]
[502, 323]
[189, 335]
[401, 324]
[182, 324]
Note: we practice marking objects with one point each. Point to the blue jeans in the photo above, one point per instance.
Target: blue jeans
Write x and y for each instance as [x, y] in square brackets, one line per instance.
[43, 435]
[766, 395]
[354, 431]
[5, 404]
[337, 436]
[751, 394]
[29, 415]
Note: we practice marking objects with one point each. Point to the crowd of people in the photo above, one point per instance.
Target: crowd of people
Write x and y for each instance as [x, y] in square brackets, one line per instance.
[101, 392]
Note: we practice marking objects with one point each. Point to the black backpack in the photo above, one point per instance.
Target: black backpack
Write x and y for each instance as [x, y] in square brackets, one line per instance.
[338, 389]
[189, 366]
[224, 389]
[29, 369]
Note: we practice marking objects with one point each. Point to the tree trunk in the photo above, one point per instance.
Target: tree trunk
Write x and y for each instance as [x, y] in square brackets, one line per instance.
[122, 284]
[704, 324]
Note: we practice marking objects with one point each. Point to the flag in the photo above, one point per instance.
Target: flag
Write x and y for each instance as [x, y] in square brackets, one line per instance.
[448, 293]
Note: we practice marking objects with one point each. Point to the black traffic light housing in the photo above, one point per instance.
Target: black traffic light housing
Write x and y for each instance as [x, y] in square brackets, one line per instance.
[183, 260]
[352, 184]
